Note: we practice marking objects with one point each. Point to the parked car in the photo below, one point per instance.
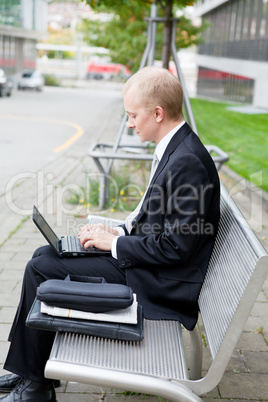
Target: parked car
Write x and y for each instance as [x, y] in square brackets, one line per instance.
[6, 85]
[31, 79]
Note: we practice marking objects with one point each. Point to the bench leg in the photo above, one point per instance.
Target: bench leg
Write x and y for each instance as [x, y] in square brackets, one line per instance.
[196, 354]
[103, 191]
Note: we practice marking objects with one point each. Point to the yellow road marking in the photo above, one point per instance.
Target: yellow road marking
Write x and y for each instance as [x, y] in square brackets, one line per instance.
[79, 129]
[79, 132]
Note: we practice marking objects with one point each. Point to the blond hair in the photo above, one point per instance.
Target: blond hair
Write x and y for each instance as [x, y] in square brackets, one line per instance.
[157, 87]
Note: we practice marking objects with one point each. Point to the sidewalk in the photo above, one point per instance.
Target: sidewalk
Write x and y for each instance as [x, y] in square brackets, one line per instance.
[246, 378]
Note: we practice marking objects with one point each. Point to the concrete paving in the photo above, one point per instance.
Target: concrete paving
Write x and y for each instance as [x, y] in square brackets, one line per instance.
[246, 377]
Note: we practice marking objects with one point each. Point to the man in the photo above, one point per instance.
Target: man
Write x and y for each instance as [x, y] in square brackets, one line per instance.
[161, 252]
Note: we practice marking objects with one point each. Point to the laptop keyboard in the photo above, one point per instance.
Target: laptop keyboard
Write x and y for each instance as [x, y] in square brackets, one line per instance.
[74, 244]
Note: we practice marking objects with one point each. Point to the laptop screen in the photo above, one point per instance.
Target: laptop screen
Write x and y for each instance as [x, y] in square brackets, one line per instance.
[45, 229]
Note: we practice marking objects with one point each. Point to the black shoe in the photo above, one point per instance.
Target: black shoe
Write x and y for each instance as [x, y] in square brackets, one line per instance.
[9, 381]
[28, 391]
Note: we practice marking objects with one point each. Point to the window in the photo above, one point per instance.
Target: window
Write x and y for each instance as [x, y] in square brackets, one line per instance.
[237, 29]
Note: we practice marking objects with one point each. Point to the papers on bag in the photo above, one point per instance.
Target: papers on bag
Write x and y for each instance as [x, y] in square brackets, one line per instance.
[126, 316]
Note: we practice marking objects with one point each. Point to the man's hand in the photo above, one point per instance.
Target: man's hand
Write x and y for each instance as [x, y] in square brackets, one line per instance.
[98, 235]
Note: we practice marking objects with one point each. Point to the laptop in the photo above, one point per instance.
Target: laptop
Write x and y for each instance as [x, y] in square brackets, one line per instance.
[66, 246]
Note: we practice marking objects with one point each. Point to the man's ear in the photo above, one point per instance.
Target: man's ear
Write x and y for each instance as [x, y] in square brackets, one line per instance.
[159, 114]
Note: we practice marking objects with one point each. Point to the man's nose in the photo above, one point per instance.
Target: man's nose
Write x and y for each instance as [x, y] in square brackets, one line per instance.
[130, 123]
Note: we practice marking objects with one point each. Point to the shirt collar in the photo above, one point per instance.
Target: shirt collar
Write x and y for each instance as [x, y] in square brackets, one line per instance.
[162, 145]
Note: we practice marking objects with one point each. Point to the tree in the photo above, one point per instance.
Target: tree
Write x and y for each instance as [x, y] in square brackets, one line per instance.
[187, 33]
[125, 34]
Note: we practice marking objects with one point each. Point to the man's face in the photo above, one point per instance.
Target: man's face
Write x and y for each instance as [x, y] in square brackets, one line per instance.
[142, 121]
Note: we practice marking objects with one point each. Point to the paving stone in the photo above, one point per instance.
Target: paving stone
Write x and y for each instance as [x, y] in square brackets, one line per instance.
[228, 400]
[2, 371]
[17, 289]
[5, 329]
[5, 275]
[22, 258]
[6, 256]
[26, 248]
[77, 397]
[10, 300]
[254, 324]
[32, 244]
[7, 286]
[260, 309]
[7, 314]
[262, 297]
[207, 359]
[13, 265]
[256, 362]
[212, 394]
[252, 341]
[244, 386]
[4, 346]
[237, 363]
[12, 244]
[86, 388]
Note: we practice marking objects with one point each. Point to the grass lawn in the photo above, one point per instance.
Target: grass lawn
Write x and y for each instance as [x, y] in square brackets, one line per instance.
[244, 137]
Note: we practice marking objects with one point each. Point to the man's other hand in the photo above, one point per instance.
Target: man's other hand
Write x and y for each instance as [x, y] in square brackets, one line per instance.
[98, 235]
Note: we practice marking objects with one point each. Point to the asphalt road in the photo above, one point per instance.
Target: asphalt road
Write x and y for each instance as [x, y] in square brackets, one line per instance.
[42, 137]
[38, 127]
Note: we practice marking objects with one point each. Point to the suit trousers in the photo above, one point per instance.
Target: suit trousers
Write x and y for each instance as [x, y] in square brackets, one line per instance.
[30, 348]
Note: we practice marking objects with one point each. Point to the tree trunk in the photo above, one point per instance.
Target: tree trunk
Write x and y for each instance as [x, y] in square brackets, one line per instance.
[167, 34]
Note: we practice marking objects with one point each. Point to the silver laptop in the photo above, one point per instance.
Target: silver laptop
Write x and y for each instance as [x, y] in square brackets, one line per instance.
[66, 246]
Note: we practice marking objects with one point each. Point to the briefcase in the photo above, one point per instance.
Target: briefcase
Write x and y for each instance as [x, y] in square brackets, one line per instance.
[85, 294]
[111, 330]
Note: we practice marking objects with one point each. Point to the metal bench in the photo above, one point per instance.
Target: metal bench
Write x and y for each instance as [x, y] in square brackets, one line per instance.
[157, 365]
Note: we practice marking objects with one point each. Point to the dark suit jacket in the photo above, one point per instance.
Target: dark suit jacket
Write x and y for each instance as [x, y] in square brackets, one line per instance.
[167, 252]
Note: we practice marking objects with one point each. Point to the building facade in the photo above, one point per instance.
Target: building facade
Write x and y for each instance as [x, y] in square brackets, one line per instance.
[233, 58]
[22, 23]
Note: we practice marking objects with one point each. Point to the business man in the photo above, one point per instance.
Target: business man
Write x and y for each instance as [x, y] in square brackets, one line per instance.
[163, 249]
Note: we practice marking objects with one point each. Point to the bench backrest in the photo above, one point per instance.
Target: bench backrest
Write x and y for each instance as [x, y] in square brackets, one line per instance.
[236, 272]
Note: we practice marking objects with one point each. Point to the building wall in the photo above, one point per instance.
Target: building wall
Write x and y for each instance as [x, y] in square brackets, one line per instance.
[235, 44]
[22, 22]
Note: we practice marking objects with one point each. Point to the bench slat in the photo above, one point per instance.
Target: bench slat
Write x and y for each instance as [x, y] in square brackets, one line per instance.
[160, 354]
[232, 264]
